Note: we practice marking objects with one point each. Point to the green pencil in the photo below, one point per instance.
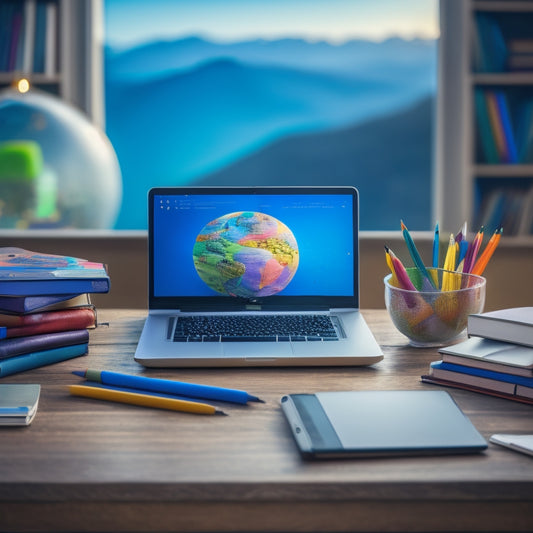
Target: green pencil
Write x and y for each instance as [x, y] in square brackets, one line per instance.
[416, 256]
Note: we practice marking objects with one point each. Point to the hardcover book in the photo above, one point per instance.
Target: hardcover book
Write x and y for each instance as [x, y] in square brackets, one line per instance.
[20, 363]
[491, 355]
[24, 272]
[514, 325]
[47, 322]
[37, 343]
[30, 304]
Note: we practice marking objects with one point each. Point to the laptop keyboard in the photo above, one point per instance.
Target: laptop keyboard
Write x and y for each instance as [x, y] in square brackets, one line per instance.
[253, 328]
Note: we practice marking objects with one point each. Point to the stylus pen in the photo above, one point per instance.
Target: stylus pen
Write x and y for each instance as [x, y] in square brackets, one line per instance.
[167, 386]
[145, 400]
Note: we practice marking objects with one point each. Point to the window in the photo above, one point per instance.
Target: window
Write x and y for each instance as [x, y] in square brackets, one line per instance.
[275, 92]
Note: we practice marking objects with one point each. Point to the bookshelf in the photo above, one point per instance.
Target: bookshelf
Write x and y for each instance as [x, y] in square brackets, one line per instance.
[485, 117]
[56, 45]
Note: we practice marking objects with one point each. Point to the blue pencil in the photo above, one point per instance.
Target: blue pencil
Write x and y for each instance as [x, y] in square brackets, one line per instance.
[416, 257]
[167, 386]
[436, 247]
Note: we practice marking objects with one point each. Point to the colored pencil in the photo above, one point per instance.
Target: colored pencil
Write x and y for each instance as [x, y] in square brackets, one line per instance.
[471, 253]
[436, 238]
[484, 258]
[416, 257]
[404, 281]
[145, 400]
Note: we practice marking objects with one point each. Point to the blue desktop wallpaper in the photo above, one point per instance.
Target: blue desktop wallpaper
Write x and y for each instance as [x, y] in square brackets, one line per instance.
[322, 226]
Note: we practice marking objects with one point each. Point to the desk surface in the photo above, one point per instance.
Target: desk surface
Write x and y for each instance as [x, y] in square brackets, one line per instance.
[87, 465]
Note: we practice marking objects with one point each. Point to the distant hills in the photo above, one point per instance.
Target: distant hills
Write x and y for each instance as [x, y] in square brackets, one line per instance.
[351, 58]
[388, 160]
[179, 111]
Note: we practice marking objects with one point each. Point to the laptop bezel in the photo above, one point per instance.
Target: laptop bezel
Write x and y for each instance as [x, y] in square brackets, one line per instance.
[270, 303]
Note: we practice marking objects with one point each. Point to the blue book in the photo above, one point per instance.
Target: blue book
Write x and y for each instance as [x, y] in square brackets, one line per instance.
[488, 144]
[24, 273]
[508, 133]
[482, 373]
[492, 48]
[20, 363]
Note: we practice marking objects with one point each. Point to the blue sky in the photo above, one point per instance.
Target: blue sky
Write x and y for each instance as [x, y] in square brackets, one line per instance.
[130, 22]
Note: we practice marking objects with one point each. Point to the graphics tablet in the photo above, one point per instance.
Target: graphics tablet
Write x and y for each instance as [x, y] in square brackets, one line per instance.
[379, 423]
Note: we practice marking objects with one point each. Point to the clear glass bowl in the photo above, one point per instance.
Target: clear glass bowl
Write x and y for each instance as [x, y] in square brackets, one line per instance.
[434, 318]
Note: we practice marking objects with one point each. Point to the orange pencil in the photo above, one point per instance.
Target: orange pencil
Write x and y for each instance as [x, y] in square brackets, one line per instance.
[484, 258]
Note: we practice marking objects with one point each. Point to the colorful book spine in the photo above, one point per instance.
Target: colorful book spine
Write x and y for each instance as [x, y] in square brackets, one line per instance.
[20, 363]
[483, 373]
[39, 343]
[49, 322]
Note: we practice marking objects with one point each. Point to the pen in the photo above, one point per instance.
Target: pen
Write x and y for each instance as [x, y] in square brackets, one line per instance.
[144, 400]
[484, 258]
[145, 384]
[416, 256]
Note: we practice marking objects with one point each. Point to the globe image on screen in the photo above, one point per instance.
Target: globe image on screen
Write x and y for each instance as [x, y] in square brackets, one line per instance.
[246, 254]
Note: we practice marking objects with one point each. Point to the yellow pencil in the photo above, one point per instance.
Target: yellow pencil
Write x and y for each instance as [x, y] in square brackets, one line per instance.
[449, 265]
[145, 400]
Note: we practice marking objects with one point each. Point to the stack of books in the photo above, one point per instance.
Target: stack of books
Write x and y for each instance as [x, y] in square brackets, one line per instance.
[45, 307]
[497, 358]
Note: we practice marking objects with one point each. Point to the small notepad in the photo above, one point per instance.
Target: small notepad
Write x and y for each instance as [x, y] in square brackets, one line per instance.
[518, 443]
[18, 403]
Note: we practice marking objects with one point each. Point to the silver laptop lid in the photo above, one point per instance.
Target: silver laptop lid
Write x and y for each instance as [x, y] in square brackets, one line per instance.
[253, 248]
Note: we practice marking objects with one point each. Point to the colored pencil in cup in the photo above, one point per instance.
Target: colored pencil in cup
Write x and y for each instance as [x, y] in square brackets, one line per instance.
[473, 249]
[429, 282]
[487, 253]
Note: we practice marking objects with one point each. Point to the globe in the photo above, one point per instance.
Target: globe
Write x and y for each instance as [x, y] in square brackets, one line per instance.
[57, 170]
[246, 254]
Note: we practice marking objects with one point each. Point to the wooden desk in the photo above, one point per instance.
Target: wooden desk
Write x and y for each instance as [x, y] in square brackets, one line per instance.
[87, 465]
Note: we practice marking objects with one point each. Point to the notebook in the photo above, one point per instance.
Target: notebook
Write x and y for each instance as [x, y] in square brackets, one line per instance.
[244, 276]
[379, 423]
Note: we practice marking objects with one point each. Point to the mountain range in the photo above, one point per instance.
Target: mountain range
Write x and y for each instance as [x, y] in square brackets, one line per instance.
[177, 112]
[388, 160]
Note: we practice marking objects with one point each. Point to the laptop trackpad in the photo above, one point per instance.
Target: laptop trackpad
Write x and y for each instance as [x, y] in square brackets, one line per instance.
[257, 349]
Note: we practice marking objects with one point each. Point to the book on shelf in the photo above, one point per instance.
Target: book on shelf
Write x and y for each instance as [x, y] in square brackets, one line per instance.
[38, 343]
[490, 46]
[28, 36]
[47, 322]
[508, 206]
[24, 272]
[514, 325]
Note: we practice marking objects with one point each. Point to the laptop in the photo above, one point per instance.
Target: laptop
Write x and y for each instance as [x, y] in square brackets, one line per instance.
[254, 276]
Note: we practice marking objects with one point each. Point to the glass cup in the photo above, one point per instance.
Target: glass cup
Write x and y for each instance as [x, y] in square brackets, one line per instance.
[434, 317]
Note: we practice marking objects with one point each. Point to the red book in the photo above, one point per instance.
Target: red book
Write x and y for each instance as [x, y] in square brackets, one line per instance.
[47, 322]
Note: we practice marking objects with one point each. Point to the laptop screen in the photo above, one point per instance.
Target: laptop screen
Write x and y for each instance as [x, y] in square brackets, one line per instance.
[240, 247]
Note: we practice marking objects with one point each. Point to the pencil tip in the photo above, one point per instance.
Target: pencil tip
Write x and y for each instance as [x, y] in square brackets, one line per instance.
[387, 249]
[256, 399]
[221, 413]
[80, 373]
